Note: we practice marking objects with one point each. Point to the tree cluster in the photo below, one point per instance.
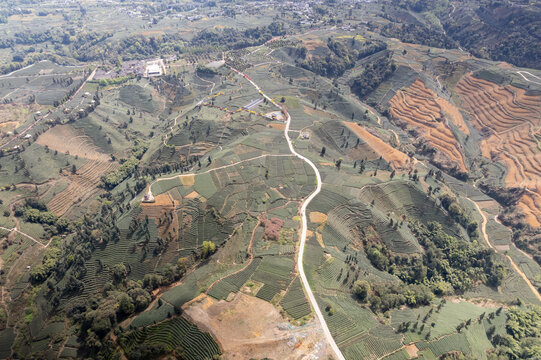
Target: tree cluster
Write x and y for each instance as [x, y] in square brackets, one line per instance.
[374, 73]
[454, 209]
[447, 266]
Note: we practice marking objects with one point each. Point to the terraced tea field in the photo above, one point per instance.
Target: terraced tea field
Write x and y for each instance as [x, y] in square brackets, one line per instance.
[83, 185]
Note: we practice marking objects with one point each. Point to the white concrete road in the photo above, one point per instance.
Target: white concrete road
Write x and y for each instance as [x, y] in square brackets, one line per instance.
[305, 204]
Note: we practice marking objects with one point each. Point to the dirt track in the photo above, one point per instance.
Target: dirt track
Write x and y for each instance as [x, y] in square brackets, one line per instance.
[513, 264]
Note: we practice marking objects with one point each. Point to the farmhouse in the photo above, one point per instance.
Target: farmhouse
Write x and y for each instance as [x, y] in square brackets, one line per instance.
[154, 68]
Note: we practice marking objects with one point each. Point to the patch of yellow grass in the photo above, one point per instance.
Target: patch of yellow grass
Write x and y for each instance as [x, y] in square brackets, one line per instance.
[357, 37]
[208, 304]
[192, 195]
[317, 217]
[187, 180]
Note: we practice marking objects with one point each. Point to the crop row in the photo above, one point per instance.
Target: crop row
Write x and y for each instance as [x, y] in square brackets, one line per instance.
[234, 282]
[176, 334]
[294, 302]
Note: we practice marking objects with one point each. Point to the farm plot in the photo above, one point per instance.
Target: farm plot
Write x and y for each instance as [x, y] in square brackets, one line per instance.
[198, 224]
[155, 314]
[341, 141]
[83, 185]
[419, 107]
[138, 97]
[358, 334]
[274, 272]
[497, 107]
[7, 336]
[396, 158]
[39, 161]
[508, 117]
[454, 342]
[294, 302]
[45, 81]
[12, 115]
[452, 314]
[234, 282]
[68, 140]
[267, 292]
[402, 198]
[174, 335]
[345, 222]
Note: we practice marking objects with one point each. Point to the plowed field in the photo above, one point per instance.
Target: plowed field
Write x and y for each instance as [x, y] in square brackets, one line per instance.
[396, 158]
[82, 186]
[509, 118]
[420, 108]
[67, 140]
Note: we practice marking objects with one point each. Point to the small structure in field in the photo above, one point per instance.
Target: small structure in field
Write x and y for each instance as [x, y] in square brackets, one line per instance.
[148, 198]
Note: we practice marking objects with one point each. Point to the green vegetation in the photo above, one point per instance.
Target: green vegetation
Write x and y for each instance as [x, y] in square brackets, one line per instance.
[173, 335]
[457, 213]
[341, 56]
[126, 169]
[93, 267]
[114, 81]
[521, 337]
[374, 73]
[418, 34]
[447, 266]
[511, 25]
[234, 39]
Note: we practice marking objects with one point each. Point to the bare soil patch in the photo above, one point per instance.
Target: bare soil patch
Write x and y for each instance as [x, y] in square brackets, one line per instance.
[277, 126]
[419, 107]
[396, 158]
[509, 119]
[68, 140]
[412, 350]
[318, 217]
[194, 194]
[248, 327]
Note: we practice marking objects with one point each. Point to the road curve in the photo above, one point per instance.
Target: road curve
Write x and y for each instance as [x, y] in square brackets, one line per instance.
[513, 264]
[305, 204]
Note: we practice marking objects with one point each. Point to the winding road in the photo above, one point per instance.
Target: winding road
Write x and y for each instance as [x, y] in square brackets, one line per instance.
[513, 264]
[521, 73]
[305, 204]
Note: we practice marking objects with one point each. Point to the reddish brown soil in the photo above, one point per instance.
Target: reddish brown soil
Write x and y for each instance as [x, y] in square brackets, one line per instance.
[509, 119]
[419, 107]
[396, 158]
